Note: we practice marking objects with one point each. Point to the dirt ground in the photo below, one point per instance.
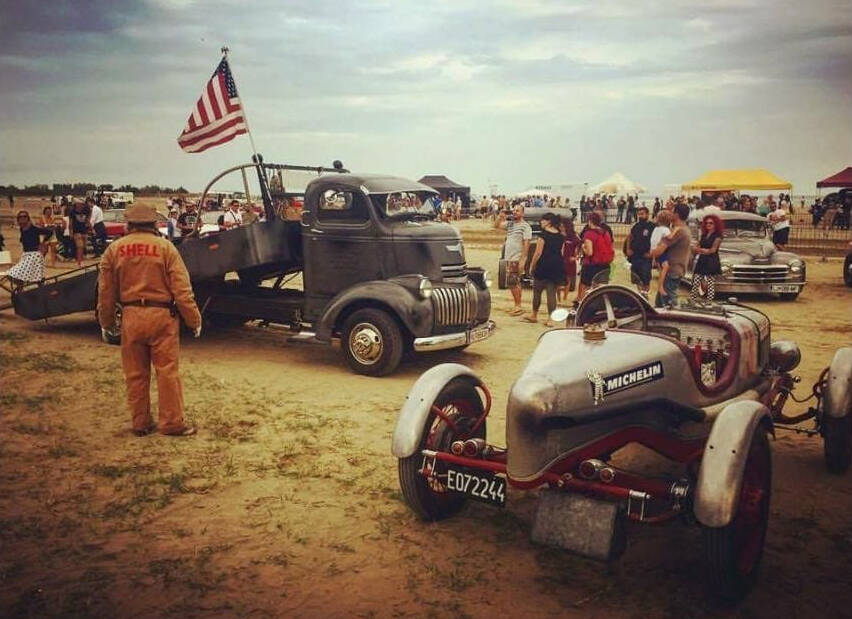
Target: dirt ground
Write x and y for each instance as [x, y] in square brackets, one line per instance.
[287, 504]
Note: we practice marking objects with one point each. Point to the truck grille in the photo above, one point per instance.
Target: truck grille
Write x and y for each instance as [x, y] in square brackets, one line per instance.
[452, 306]
[454, 271]
[759, 274]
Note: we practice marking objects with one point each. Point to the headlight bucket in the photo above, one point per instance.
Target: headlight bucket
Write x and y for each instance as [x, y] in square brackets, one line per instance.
[425, 288]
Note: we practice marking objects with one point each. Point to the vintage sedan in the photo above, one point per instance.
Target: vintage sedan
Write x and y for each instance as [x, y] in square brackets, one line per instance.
[750, 261]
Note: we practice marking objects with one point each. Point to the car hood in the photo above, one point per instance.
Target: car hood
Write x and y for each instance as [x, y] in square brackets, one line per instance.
[753, 250]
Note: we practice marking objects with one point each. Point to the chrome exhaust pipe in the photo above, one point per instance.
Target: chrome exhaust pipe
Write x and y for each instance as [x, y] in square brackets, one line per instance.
[474, 447]
[457, 448]
[590, 469]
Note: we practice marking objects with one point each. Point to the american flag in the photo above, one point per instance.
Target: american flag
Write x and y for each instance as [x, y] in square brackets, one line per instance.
[218, 115]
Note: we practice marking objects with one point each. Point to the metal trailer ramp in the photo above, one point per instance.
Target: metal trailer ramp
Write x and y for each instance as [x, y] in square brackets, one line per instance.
[67, 293]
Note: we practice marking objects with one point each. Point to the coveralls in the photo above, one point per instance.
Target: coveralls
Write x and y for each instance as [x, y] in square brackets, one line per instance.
[141, 268]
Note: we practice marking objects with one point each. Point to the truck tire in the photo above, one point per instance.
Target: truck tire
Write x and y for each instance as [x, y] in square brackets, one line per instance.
[460, 403]
[837, 443]
[733, 553]
[372, 342]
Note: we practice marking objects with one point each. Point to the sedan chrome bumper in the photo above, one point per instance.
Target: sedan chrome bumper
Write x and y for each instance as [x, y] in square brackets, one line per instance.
[455, 340]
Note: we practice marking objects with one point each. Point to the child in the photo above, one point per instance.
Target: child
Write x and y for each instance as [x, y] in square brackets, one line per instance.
[663, 229]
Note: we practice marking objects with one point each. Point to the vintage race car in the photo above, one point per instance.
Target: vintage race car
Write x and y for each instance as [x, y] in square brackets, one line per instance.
[703, 386]
[750, 261]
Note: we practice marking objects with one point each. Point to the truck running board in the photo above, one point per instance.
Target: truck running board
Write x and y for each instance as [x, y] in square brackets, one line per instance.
[308, 337]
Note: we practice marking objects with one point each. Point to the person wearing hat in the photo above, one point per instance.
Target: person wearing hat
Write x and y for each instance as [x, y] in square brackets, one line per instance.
[145, 274]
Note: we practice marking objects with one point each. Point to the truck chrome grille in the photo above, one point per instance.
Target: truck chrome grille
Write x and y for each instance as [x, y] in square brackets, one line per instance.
[759, 274]
[454, 271]
[451, 305]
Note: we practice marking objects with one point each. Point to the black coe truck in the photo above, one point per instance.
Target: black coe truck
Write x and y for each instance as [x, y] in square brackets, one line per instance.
[355, 258]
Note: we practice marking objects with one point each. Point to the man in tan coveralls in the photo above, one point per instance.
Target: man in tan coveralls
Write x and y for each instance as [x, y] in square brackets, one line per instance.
[145, 274]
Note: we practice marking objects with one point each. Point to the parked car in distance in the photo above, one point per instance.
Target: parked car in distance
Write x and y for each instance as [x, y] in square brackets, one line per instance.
[116, 226]
[750, 261]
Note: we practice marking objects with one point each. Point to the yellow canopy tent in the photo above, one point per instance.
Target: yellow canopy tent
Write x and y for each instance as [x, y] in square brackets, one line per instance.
[736, 180]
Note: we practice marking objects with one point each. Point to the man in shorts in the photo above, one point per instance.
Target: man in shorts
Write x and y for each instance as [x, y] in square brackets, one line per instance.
[516, 250]
[81, 226]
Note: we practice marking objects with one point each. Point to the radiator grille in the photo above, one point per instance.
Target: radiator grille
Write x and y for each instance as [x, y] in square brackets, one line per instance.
[759, 274]
[452, 306]
[454, 271]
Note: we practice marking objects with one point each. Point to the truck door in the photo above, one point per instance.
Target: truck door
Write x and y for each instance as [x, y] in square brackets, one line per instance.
[340, 247]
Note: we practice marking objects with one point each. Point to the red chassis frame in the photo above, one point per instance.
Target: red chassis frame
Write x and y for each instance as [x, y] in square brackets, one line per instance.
[623, 486]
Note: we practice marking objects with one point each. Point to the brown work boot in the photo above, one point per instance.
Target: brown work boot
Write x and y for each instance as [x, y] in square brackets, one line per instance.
[184, 431]
[145, 431]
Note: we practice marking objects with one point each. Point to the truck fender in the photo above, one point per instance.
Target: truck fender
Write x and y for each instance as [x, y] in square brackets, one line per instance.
[418, 404]
[723, 463]
[837, 399]
[414, 313]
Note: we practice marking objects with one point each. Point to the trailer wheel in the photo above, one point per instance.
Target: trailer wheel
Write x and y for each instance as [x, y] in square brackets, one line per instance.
[372, 342]
[733, 552]
[461, 404]
[837, 442]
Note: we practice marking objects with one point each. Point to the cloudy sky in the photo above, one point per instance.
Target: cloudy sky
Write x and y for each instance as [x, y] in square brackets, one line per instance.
[509, 92]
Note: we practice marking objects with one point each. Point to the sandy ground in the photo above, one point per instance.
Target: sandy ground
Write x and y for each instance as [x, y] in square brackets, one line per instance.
[287, 503]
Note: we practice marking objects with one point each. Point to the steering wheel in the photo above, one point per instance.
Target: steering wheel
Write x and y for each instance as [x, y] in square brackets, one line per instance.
[613, 307]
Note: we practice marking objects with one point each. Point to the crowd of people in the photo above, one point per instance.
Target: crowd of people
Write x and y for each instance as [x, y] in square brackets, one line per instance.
[559, 254]
[62, 232]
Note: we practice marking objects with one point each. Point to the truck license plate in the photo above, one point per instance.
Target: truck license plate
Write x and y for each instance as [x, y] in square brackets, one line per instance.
[783, 288]
[479, 334]
[479, 485]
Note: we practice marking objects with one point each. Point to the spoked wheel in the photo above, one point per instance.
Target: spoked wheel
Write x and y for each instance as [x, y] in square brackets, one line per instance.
[837, 442]
[461, 405]
[733, 552]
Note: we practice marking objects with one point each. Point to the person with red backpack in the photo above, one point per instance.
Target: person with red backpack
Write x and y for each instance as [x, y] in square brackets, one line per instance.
[597, 253]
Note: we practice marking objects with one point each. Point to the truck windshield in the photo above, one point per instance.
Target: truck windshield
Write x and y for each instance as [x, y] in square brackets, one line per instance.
[405, 204]
[745, 228]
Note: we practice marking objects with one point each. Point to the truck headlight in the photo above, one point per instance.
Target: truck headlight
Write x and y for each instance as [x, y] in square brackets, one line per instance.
[425, 288]
[486, 278]
[795, 265]
[726, 268]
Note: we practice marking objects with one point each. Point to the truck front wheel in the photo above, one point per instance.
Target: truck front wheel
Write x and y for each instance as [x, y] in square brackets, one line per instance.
[372, 342]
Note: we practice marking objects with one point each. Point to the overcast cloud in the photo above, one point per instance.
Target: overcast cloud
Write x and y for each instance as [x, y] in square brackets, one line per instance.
[509, 92]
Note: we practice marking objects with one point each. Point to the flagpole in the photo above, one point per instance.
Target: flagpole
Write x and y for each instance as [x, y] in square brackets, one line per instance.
[225, 51]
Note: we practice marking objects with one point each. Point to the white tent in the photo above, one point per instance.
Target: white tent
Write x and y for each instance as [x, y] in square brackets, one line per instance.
[618, 184]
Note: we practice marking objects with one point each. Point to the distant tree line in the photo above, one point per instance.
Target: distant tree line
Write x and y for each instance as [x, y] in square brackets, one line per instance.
[80, 189]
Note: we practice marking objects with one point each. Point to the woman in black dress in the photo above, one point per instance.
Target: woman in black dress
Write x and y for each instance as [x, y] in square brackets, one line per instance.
[707, 265]
[547, 266]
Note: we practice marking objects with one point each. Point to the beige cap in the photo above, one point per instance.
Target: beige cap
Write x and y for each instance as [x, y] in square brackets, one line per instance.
[140, 214]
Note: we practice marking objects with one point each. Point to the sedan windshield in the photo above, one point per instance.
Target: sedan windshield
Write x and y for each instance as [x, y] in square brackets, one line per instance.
[745, 228]
[405, 204]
